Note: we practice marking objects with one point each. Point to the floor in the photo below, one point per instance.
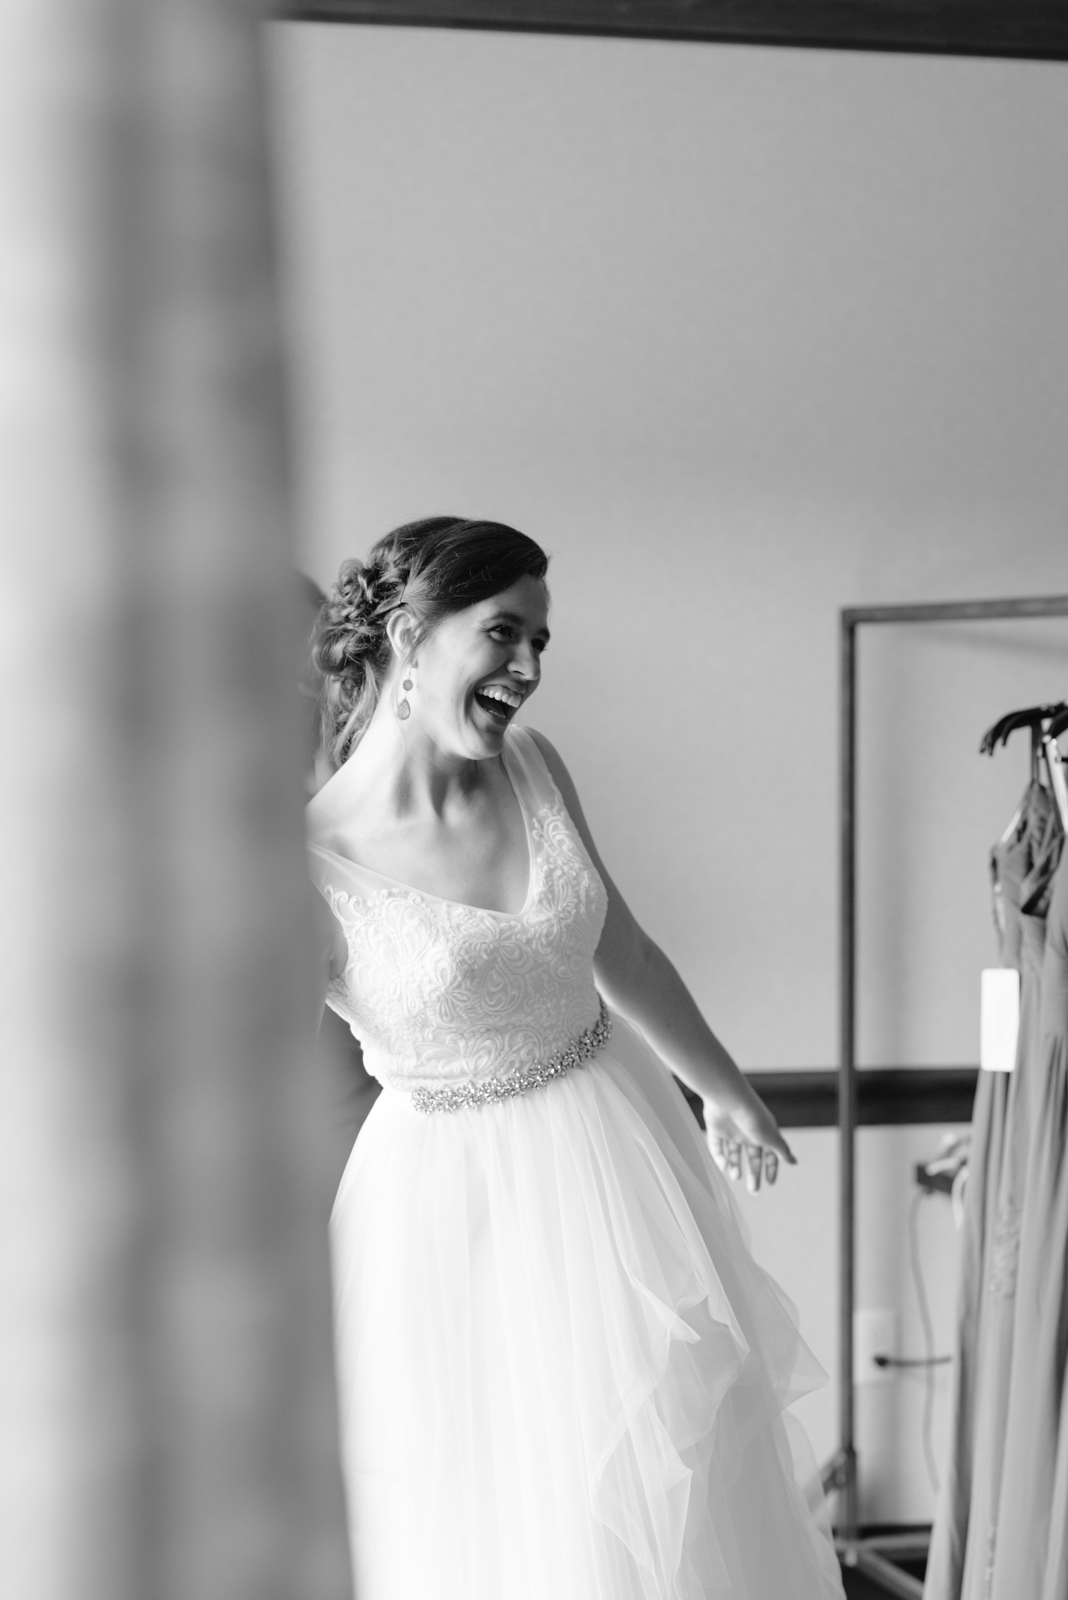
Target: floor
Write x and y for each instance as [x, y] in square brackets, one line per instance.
[860, 1587]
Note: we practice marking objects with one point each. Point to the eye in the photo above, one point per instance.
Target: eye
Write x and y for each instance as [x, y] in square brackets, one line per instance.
[502, 630]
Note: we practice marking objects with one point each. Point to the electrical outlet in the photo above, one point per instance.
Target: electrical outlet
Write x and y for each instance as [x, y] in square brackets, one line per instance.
[874, 1334]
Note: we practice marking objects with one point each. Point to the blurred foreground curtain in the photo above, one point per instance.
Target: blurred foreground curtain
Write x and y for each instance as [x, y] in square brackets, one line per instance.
[166, 1406]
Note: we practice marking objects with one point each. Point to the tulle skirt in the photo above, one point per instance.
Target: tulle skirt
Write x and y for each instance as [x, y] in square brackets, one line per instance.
[561, 1374]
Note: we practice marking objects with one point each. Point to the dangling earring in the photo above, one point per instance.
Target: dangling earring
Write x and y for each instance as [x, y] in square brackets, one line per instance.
[404, 710]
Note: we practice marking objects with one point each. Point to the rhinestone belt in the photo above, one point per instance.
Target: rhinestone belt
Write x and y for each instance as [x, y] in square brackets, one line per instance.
[585, 1047]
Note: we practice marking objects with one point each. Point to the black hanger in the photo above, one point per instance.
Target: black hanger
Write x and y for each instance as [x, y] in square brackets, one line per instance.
[1059, 724]
[1033, 717]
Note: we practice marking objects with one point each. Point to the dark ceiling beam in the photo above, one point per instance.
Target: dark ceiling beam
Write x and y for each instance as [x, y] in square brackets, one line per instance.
[1030, 29]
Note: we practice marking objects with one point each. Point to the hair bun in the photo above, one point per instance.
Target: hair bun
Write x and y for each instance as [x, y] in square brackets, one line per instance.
[352, 622]
[360, 585]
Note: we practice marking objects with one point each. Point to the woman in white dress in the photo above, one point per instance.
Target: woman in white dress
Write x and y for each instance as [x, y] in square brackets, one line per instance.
[561, 1374]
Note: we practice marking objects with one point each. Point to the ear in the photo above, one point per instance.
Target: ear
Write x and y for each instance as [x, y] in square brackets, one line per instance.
[400, 631]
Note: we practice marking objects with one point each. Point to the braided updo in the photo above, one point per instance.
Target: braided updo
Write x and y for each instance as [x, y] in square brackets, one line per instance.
[433, 568]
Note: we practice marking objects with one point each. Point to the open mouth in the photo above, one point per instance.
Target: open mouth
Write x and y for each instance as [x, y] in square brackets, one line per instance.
[498, 702]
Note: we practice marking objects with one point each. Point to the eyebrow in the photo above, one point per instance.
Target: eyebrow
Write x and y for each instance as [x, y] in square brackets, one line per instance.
[517, 620]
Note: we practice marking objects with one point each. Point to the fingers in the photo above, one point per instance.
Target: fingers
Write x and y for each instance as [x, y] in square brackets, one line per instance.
[735, 1158]
[773, 1141]
[727, 1154]
[764, 1130]
[746, 1145]
[761, 1164]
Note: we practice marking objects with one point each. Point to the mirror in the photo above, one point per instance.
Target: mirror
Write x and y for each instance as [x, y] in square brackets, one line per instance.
[742, 336]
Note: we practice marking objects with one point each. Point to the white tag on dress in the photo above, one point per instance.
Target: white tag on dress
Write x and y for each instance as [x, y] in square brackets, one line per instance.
[999, 1019]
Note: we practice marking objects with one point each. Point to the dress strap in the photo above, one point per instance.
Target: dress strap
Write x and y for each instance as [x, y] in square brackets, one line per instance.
[528, 770]
[319, 868]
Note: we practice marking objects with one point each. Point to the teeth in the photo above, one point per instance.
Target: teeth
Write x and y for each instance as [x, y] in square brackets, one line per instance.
[508, 697]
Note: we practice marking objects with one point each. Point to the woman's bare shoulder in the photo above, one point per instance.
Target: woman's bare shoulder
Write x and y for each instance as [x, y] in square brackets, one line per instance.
[553, 759]
[331, 815]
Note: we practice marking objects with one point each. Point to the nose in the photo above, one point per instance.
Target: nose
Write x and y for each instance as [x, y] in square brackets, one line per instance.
[525, 662]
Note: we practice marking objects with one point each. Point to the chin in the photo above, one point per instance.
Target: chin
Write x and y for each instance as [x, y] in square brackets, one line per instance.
[488, 741]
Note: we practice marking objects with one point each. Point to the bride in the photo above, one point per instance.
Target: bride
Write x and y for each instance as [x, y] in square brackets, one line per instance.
[561, 1374]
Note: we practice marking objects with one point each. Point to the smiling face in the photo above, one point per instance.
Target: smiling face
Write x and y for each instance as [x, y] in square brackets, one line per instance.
[477, 667]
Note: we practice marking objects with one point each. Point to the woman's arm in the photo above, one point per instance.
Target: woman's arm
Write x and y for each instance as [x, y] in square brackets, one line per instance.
[638, 980]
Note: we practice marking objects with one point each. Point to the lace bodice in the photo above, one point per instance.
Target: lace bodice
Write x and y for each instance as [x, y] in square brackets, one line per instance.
[440, 993]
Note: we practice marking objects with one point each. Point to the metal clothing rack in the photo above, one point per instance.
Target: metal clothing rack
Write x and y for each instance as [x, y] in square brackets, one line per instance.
[871, 1554]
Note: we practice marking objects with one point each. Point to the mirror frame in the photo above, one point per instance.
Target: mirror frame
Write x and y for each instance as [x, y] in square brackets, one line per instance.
[1025, 29]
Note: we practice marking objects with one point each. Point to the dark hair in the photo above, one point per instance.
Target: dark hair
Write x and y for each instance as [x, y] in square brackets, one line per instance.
[434, 568]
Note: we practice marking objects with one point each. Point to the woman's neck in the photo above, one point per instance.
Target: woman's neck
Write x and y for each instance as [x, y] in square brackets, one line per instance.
[403, 770]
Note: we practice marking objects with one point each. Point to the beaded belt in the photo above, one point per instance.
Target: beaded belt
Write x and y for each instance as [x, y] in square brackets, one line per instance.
[585, 1047]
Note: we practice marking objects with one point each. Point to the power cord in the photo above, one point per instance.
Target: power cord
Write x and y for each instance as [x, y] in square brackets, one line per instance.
[914, 1361]
[930, 1360]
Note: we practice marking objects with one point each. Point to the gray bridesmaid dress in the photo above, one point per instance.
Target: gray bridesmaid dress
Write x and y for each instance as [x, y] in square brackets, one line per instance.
[945, 1563]
[1034, 1493]
[961, 1558]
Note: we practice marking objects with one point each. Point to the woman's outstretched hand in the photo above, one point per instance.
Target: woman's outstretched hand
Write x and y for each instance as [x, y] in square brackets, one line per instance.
[745, 1141]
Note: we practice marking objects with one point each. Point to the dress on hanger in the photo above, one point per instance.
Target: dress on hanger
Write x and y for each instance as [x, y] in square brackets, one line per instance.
[1055, 1577]
[1009, 861]
[964, 1538]
[562, 1376]
[1029, 1514]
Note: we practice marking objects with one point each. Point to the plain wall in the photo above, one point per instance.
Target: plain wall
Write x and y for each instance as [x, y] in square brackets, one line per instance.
[742, 336]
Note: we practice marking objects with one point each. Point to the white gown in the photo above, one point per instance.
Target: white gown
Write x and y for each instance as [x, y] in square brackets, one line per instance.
[561, 1373]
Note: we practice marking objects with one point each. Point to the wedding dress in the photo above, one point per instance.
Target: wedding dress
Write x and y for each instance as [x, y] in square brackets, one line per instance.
[562, 1376]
